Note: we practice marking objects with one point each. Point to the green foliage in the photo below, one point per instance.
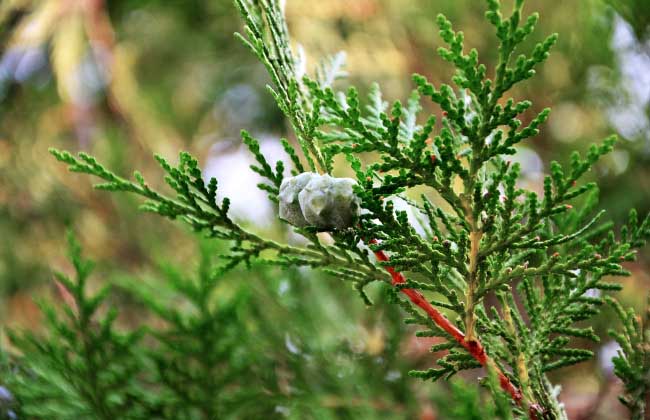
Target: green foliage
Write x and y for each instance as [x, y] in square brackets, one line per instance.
[195, 204]
[265, 21]
[465, 403]
[210, 349]
[632, 364]
[484, 235]
[205, 365]
[85, 367]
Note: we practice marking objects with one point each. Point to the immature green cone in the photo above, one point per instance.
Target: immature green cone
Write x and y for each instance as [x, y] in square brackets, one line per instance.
[329, 203]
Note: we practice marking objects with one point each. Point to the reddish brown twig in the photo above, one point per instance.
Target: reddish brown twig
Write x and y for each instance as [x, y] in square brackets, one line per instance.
[474, 347]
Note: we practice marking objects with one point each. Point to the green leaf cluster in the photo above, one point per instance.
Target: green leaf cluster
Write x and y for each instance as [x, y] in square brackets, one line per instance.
[482, 235]
[85, 366]
[210, 347]
[632, 363]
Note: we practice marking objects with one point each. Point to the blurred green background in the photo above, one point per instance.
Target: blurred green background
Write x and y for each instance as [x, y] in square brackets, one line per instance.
[128, 78]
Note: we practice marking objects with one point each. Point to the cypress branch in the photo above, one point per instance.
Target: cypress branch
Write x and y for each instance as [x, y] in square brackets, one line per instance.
[493, 236]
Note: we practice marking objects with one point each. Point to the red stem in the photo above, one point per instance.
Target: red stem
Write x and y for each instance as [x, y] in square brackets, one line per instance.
[474, 347]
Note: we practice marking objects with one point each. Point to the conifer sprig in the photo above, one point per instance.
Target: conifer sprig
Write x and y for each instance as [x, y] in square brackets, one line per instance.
[265, 21]
[204, 355]
[632, 363]
[86, 366]
[196, 204]
[202, 359]
[548, 250]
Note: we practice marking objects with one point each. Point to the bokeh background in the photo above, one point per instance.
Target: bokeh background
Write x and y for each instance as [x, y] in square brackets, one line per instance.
[124, 79]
